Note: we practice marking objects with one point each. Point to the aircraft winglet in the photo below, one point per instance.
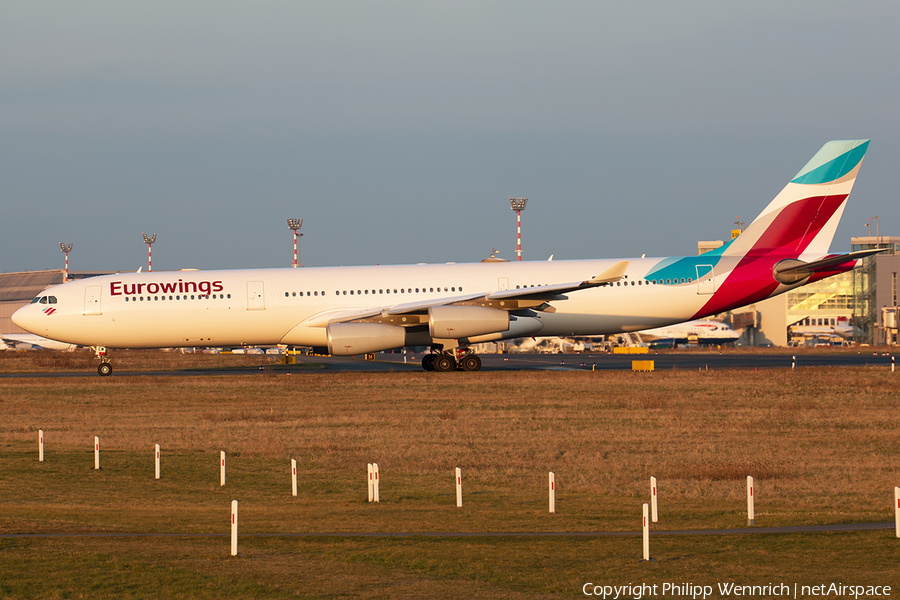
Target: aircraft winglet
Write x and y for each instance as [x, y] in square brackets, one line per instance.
[612, 274]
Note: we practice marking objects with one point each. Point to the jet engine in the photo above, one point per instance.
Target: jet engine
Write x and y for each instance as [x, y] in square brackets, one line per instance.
[455, 322]
[347, 339]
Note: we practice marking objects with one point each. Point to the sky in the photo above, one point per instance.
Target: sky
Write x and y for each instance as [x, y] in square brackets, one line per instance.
[399, 129]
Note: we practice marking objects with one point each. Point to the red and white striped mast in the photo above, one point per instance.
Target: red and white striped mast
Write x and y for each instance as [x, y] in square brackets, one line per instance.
[518, 205]
[294, 225]
[149, 240]
[66, 248]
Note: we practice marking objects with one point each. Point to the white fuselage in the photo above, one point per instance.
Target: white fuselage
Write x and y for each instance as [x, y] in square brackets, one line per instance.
[292, 306]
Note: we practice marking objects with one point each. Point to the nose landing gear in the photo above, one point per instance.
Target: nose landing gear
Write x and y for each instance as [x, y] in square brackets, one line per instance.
[105, 366]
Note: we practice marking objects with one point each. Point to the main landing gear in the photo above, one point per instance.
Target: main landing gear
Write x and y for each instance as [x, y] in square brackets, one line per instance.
[105, 366]
[456, 359]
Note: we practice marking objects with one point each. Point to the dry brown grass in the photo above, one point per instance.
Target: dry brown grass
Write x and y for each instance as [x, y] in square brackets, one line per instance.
[602, 433]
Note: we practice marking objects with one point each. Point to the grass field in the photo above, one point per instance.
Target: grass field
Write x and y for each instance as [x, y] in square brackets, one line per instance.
[822, 444]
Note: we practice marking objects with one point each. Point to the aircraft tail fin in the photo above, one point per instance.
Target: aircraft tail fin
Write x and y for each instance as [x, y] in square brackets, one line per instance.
[803, 218]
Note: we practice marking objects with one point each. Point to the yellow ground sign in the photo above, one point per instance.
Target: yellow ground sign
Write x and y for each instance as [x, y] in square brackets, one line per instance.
[642, 365]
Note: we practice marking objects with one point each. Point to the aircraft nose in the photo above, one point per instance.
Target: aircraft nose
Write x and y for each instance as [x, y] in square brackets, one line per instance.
[27, 318]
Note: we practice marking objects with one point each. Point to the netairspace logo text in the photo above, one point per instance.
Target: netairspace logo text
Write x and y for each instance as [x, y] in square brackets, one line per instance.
[724, 590]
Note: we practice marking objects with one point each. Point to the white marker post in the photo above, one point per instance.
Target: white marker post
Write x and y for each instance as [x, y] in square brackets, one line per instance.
[892, 364]
[458, 487]
[654, 511]
[293, 477]
[793, 363]
[234, 526]
[157, 461]
[375, 483]
[897, 510]
[751, 516]
[40, 445]
[96, 453]
[646, 533]
[370, 481]
[222, 468]
[552, 484]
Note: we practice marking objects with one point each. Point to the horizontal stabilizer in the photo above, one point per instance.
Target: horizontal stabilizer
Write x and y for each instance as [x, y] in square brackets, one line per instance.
[792, 271]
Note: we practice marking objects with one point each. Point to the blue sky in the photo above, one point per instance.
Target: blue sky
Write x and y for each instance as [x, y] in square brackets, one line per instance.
[397, 130]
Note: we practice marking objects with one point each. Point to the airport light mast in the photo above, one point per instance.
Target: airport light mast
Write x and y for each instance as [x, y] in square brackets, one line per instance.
[518, 205]
[66, 248]
[294, 225]
[149, 240]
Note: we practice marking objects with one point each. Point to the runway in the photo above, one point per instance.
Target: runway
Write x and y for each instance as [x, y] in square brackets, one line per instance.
[663, 361]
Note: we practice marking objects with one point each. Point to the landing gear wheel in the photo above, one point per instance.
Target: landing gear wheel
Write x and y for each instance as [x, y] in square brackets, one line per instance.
[428, 362]
[444, 363]
[471, 363]
[105, 369]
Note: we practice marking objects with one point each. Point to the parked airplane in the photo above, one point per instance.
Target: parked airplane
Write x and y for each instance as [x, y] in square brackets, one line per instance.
[703, 332]
[355, 310]
[26, 341]
[843, 330]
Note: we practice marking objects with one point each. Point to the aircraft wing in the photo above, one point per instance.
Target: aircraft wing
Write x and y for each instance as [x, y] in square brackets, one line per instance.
[513, 299]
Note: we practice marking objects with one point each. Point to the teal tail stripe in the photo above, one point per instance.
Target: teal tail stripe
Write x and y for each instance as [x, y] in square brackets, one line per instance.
[832, 162]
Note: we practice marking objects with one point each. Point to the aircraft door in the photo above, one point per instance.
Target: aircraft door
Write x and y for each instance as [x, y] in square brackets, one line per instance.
[503, 283]
[92, 300]
[706, 280]
[256, 296]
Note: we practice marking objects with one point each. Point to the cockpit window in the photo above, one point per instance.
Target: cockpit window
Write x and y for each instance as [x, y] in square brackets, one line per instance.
[52, 299]
[43, 299]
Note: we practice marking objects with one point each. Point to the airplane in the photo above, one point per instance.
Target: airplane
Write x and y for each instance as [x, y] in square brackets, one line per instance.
[25, 341]
[349, 311]
[843, 330]
[704, 331]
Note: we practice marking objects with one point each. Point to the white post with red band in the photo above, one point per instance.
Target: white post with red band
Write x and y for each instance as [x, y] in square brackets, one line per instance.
[751, 514]
[654, 510]
[234, 527]
[222, 468]
[370, 481]
[40, 445]
[552, 484]
[293, 477]
[96, 453]
[646, 533]
[157, 461]
[458, 487]
[375, 496]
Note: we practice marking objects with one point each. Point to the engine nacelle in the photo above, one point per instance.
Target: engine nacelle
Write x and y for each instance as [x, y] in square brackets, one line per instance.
[454, 322]
[347, 339]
